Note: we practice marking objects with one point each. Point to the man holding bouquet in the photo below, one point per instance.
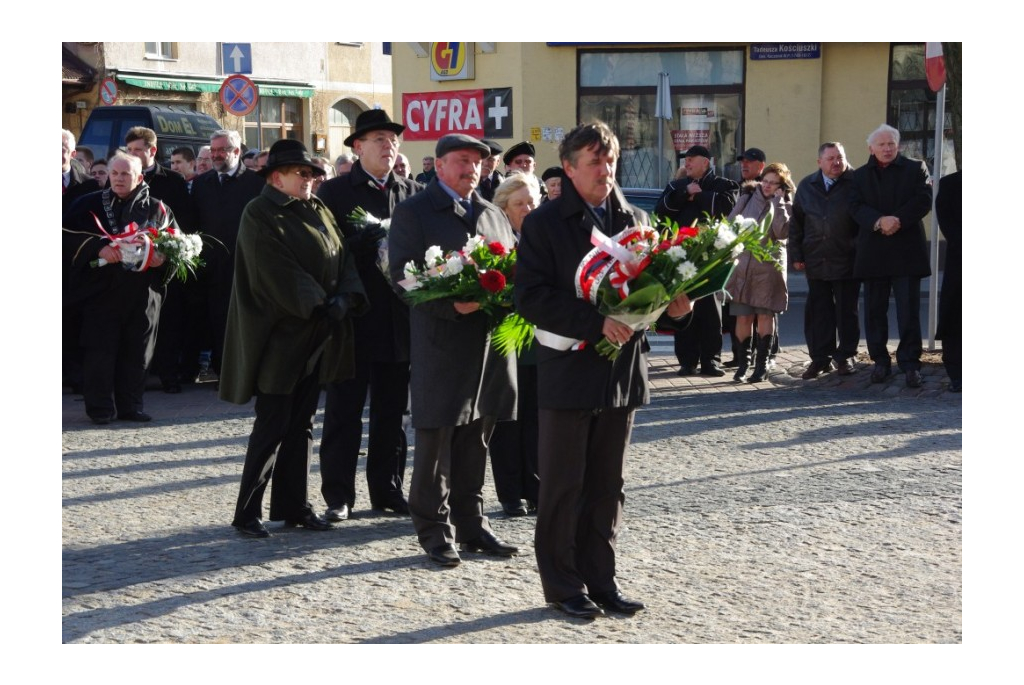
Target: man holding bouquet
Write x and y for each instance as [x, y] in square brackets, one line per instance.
[120, 306]
[461, 386]
[587, 401]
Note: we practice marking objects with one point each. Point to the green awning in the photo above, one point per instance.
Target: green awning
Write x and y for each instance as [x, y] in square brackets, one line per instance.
[193, 86]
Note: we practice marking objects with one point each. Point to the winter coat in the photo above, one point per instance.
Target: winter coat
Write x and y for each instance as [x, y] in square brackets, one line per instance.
[822, 233]
[716, 199]
[755, 283]
[556, 237]
[902, 189]
[457, 376]
[289, 260]
[383, 334]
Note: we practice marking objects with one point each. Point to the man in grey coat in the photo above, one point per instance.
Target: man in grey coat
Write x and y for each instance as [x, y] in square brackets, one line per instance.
[460, 385]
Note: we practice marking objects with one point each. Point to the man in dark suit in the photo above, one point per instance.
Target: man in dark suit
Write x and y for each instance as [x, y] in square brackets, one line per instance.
[220, 195]
[170, 187]
[76, 181]
[893, 195]
[587, 402]
[490, 177]
[822, 244]
[949, 212]
[460, 385]
[381, 337]
[697, 195]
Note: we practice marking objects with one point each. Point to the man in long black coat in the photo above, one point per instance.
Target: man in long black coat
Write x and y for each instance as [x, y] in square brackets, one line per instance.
[949, 210]
[893, 195]
[381, 337]
[220, 195]
[460, 385]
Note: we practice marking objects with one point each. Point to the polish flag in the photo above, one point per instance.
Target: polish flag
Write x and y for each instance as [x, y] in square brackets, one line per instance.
[934, 66]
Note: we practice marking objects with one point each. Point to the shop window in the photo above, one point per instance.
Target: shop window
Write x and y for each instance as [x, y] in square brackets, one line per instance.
[706, 94]
[274, 119]
[912, 108]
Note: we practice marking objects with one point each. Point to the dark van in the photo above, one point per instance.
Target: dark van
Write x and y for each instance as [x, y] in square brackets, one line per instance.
[175, 127]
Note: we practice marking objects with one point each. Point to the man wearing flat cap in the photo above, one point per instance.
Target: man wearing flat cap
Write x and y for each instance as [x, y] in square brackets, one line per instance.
[288, 333]
[490, 177]
[460, 385]
[752, 163]
[381, 337]
[696, 196]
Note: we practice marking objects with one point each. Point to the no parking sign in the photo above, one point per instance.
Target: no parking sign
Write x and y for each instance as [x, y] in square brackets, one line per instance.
[239, 95]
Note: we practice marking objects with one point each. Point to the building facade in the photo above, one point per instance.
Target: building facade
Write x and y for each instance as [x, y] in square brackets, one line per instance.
[307, 91]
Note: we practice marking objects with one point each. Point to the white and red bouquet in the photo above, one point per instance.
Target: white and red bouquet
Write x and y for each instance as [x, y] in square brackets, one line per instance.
[633, 276]
[140, 246]
[480, 272]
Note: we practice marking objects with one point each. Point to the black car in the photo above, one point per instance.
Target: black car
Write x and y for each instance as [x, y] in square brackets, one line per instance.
[642, 198]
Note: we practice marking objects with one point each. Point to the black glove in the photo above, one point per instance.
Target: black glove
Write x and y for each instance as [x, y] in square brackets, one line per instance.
[367, 239]
[337, 307]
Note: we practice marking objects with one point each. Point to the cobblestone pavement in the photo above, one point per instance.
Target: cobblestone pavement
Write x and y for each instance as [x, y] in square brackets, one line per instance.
[824, 511]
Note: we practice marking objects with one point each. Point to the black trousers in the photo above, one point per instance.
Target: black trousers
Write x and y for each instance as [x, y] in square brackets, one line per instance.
[281, 444]
[117, 340]
[701, 339]
[446, 493]
[832, 312]
[906, 292]
[167, 357]
[513, 444]
[582, 454]
[388, 387]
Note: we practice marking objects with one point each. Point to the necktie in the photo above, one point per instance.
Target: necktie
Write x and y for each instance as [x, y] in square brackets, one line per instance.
[468, 206]
[828, 184]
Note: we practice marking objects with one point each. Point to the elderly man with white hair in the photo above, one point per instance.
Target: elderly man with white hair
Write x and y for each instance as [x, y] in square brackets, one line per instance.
[893, 195]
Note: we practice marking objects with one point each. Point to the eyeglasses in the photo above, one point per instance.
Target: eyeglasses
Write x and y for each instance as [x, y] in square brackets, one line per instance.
[304, 173]
[221, 150]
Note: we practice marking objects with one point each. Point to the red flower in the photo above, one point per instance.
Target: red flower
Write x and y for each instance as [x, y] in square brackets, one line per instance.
[497, 249]
[688, 231]
[492, 281]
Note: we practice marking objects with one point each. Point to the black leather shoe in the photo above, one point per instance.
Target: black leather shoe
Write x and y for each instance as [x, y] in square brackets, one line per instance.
[815, 369]
[580, 606]
[615, 601]
[444, 555]
[102, 419]
[310, 522]
[913, 378]
[712, 370]
[488, 544]
[252, 529]
[397, 505]
[844, 367]
[687, 371]
[531, 505]
[880, 373]
[136, 416]
[337, 513]
[514, 508]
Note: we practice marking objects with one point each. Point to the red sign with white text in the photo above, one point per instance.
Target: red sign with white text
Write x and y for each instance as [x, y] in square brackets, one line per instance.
[481, 113]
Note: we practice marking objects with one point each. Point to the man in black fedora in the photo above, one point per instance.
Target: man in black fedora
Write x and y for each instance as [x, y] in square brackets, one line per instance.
[381, 337]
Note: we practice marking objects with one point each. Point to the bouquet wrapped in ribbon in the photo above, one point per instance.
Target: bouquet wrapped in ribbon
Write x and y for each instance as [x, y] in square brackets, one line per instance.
[633, 276]
[480, 272]
[139, 247]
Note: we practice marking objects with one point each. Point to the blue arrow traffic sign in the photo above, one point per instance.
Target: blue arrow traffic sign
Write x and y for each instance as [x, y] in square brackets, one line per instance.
[237, 57]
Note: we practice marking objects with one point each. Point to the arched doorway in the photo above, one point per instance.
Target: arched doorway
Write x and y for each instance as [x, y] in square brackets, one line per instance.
[342, 122]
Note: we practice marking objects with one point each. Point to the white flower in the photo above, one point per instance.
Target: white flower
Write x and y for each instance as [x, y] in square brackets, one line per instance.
[434, 255]
[725, 237]
[677, 253]
[744, 223]
[737, 250]
[687, 270]
[471, 244]
[453, 265]
[409, 270]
